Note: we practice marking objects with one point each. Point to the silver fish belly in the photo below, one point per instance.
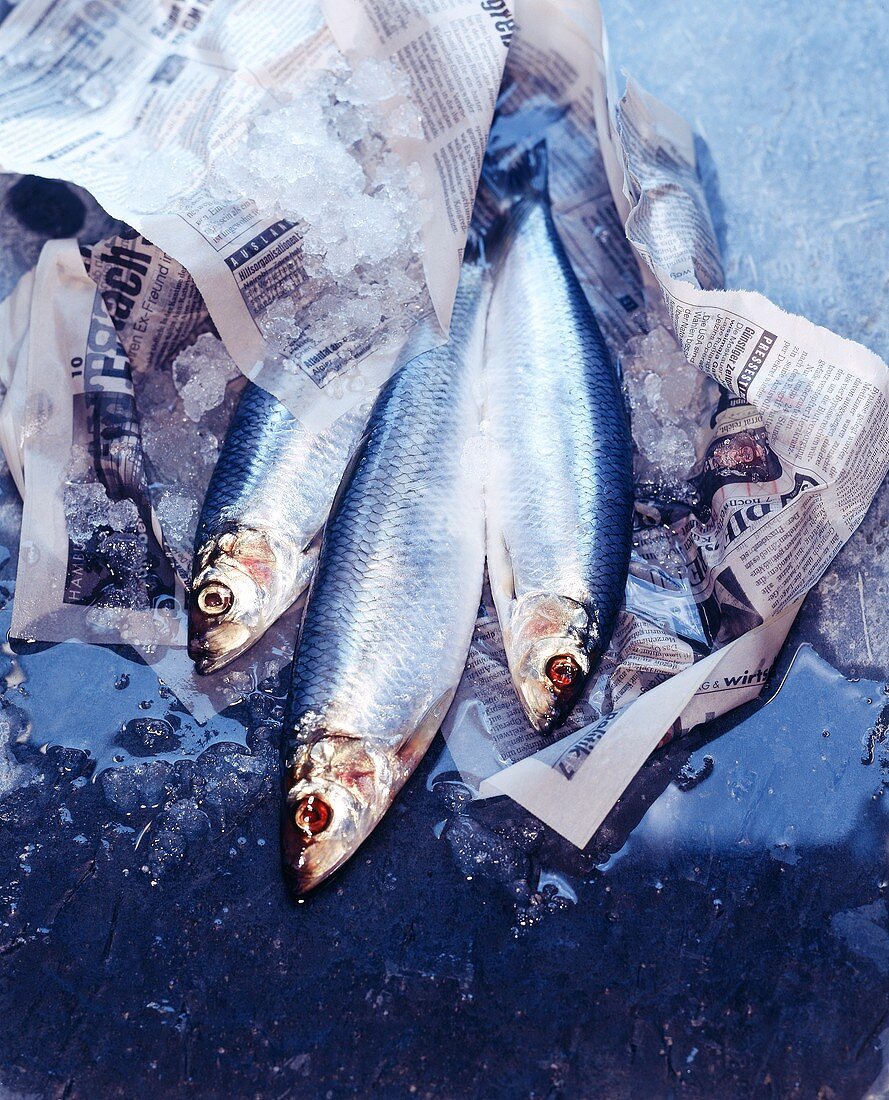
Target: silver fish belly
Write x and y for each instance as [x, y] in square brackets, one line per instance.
[391, 611]
[559, 485]
[256, 543]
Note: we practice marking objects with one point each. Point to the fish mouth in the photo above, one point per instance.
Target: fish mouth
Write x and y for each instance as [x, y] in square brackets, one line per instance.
[300, 880]
[206, 661]
[205, 666]
[297, 884]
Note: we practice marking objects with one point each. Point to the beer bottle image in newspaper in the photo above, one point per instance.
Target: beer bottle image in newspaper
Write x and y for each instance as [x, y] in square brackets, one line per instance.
[738, 453]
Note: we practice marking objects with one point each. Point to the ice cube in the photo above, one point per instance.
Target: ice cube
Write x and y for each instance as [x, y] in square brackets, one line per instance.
[372, 81]
[178, 516]
[179, 834]
[201, 374]
[12, 774]
[88, 509]
[670, 402]
[229, 782]
[138, 787]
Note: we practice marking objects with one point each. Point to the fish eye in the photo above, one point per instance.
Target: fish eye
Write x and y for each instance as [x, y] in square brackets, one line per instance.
[562, 671]
[312, 815]
[215, 598]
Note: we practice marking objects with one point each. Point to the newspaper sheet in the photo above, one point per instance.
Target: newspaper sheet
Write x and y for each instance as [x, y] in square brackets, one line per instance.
[150, 105]
[96, 564]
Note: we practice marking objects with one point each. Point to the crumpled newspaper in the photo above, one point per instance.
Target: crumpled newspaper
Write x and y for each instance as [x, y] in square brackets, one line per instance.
[312, 165]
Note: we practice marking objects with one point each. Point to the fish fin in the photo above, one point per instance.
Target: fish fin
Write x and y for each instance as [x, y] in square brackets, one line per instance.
[308, 562]
[414, 748]
[500, 572]
[501, 578]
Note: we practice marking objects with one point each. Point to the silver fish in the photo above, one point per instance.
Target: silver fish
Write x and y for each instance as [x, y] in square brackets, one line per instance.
[256, 543]
[391, 610]
[559, 487]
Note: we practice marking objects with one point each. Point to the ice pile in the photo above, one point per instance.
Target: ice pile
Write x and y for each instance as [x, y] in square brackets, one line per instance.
[505, 847]
[143, 786]
[108, 533]
[88, 508]
[201, 373]
[184, 413]
[185, 806]
[670, 402]
[178, 515]
[320, 161]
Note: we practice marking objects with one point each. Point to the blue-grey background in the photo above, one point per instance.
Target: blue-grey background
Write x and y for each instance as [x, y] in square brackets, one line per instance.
[730, 934]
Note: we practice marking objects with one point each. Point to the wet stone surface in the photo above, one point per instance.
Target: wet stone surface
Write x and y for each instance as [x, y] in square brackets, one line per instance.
[726, 933]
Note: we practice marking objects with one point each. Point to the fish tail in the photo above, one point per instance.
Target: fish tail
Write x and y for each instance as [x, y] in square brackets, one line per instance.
[507, 190]
[474, 250]
[486, 225]
[528, 176]
[522, 176]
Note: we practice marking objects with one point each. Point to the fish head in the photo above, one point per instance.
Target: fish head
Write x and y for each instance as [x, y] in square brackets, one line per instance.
[336, 790]
[234, 597]
[551, 645]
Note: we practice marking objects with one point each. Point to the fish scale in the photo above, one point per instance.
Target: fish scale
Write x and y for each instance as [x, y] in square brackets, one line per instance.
[274, 473]
[382, 552]
[393, 603]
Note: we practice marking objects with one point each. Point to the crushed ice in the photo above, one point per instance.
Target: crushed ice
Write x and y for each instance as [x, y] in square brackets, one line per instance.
[318, 159]
[201, 373]
[670, 403]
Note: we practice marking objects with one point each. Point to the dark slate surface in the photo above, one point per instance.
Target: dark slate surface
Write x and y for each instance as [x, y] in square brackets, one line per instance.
[730, 936]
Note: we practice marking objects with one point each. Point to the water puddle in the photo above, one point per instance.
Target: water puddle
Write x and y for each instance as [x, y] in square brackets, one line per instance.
[105, 703]
[805, 772]
[799, 781]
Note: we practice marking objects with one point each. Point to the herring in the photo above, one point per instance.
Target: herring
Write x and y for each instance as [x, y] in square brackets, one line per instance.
[392, 605]
[256, 542]
[559, 488]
